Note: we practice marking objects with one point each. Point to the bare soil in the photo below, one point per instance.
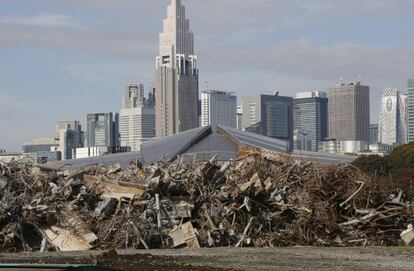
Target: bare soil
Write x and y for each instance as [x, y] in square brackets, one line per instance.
[303, 258]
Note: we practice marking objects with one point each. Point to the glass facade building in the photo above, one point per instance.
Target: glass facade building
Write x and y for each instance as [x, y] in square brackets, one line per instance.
[269, 115]
[310, 119]
[373, 134]
[103, 130]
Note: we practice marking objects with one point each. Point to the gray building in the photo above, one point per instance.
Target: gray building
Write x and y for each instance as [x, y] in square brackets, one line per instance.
[218, 108]
[70, 136]
[137, 118]
[373, 134]
[310, 118]
[410, 110]
[102, 130]
[176, 76]
[269, 115]
[349, 112]
[133, 95]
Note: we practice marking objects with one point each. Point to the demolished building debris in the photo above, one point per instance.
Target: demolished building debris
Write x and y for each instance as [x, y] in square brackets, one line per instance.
[259, 199]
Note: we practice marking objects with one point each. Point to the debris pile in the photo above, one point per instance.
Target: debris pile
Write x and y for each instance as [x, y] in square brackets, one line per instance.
[257, 200]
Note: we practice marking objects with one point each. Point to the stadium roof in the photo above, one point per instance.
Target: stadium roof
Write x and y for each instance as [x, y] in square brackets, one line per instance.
[200, 143]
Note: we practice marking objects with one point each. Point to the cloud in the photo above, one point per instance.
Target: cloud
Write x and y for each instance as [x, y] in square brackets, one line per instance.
[42, 20]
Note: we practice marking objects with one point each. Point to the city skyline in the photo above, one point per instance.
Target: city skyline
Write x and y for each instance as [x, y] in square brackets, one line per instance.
[50, 76]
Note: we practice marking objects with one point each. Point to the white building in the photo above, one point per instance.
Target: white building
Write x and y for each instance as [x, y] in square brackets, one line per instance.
[137, 118]
[344, 146]
[240, 117]
[218, 108]
[392, 128]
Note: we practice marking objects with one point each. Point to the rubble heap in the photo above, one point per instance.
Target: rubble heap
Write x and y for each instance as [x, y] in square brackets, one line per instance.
[257, 200]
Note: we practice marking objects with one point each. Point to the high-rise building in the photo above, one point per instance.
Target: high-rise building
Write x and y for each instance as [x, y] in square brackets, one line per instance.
[373, 134]
[240, 117]
[349, 112]
[137, 119]
[102, 130]
[410, 110]
[151, 96]
[133, 95]
[218, 108]
[176, 76]
[269, 115]
[392, 127]
[73, 125]
[68, 142]
[310, 119]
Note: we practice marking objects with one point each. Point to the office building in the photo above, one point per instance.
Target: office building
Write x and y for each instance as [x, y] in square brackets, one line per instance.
[349, 112]
[269, 115]
[176, 76]
[310, 120]
[70, 136]
[151, 96]
[102, 130]
[373, 134]
[392, 127]
[133, 95]
[40, 144]
[69, 140]
[137, 119]
[410, 110]
[218, 108]
[240, 117]
[345, 146]
[73, 125]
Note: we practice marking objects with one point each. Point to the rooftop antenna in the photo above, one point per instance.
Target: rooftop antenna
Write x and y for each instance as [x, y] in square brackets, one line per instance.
[206, 85]
[360, 78]
[341, 79]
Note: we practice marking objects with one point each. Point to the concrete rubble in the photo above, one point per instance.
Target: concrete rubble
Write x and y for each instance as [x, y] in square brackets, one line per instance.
[256, 200]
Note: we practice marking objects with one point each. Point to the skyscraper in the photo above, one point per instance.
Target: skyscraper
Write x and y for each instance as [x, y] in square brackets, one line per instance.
[73, 125]
[176, 75]
[240, 117]
[392, 127]
[133, 95]
[373, 134]
[70, 136]
[410, 110]
[310, 117]
[269, 115]
[218, 108]
[137, 118]
[102, 130]
[349, 112]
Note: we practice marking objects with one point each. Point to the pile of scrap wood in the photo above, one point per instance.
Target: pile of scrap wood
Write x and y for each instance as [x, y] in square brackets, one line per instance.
[257, 200]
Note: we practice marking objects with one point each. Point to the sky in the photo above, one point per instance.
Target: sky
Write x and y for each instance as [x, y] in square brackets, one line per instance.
[62, 59]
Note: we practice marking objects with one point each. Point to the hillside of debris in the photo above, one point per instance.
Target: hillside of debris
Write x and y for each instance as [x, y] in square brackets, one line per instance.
[257, 200]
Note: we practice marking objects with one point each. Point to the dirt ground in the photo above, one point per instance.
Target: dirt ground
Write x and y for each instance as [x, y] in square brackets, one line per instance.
[304, 258]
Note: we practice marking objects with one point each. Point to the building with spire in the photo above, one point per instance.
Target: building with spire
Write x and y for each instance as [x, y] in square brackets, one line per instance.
[176, 76]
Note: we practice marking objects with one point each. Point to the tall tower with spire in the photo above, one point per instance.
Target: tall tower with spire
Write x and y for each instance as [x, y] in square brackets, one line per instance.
[176, 75]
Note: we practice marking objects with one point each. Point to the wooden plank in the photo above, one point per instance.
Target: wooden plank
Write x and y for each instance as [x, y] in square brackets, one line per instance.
[113, 189]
